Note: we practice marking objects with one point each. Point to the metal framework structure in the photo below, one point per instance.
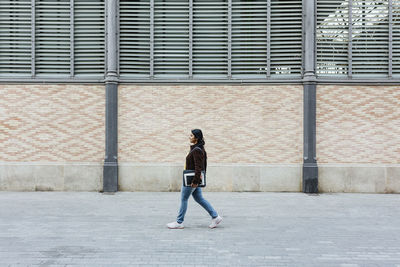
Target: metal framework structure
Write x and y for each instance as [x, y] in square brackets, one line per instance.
[335, 20]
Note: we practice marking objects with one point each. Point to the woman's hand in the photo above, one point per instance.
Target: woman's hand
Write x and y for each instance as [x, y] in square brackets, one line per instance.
[194, 185]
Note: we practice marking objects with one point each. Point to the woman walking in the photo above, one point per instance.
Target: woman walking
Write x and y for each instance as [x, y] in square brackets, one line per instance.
[196, 160]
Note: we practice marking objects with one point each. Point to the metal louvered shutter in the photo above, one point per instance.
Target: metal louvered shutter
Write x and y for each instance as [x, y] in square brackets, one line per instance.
[249, 39]
[171, 39]
[198, 39]
[286, 38]
[370, 38]
[134, 40]
[353, 38]
[52, 38]
[89, 38]
[396, 38]
[332, 37]
[210, 39]
[15, 38]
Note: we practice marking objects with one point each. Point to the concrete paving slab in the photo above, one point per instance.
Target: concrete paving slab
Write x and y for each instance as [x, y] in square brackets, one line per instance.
[259, 229]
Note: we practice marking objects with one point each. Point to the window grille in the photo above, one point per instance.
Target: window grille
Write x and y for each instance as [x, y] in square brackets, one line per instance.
[370, 38]
[353, 38]
[396, 38]
[15, 38]
[210, 38]
[134, 40]
[52, 38]
[332, 35]
[89, 38]
[171, 38]
[286, 38]
[220, 39]
[249, 38]
[199, 39]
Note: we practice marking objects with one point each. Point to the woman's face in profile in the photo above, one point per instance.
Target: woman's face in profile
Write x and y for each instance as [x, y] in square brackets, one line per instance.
[192, 139]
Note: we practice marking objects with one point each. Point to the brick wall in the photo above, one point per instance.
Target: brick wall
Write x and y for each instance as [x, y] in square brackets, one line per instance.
[358, 124]
[241, 124]
[52, 123]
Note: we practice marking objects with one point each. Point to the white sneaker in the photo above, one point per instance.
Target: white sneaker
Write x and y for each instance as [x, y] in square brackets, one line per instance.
[215, 222]
[175, 225]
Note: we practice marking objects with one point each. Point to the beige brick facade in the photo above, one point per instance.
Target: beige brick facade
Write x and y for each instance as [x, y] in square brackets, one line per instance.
[358, 124]
[52, 123]
[241, 124]
[52, 136]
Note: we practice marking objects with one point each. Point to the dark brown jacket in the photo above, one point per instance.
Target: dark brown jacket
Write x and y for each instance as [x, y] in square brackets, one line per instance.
[196, 160]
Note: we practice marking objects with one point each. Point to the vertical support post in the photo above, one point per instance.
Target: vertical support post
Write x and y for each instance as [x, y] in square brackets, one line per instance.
[350, 45]
[118, 38]
[310, 167]
[110, 170]
[268, 38]
[190, 39]
[309, 39]
[151, 39]
[33, 48]
[71, 12]
[111, 41]
[390, 13]
[229, 39]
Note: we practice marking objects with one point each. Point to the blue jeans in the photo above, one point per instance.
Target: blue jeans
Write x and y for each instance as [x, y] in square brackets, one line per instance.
[198, 196]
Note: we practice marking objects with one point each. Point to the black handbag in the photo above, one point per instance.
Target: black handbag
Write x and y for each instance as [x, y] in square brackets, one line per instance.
[188, 176]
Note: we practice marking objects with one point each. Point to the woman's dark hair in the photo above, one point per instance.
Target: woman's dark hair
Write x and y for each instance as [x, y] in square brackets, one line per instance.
[199, 136]
[200, 143]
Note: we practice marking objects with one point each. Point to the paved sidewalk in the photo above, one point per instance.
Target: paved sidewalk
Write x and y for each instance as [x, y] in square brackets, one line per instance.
[259, 229]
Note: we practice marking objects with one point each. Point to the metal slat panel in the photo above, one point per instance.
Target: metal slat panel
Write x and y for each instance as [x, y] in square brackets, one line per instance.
[255, 23]
[52, 39]
[370, 38]
[366, 45]
[286, 38]
[135, 38]
[89, 37]
[171, 38]
[208, 46]
[210, 38]
[332, 37]
[15, 41]
[249, 27]
[396, 39]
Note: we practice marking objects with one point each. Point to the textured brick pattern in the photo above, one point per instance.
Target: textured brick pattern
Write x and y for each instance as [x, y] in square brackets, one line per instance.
[241, 124]
[358, 124]
[52, 123]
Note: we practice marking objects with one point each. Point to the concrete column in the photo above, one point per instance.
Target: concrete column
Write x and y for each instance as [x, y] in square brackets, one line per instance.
[110, 170]
[310, 167]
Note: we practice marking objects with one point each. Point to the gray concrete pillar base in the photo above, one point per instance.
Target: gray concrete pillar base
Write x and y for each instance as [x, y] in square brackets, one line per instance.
[310, 178]
[110, 177]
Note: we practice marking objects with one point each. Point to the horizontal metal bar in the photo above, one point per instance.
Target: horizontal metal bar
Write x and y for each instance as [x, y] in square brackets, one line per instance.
[212, 81]
[395, 81]
[38, 80]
